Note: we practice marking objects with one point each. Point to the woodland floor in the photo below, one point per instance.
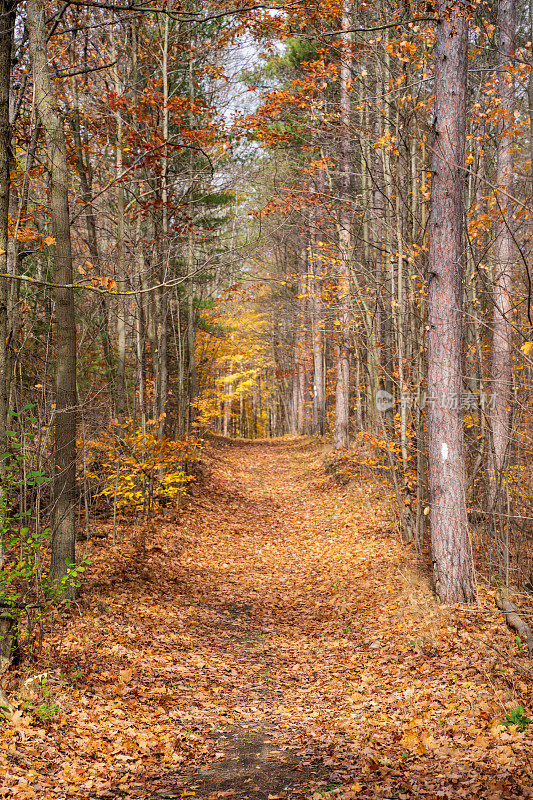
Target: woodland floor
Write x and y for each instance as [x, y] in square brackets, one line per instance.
[273, 641]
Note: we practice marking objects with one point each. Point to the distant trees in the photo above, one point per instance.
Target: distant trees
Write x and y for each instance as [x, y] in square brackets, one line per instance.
[116, 216]
[429, 376]
[174, 257]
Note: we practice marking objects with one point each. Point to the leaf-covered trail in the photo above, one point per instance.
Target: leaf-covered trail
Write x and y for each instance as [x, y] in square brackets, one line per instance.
[272, 641]
[314, 637]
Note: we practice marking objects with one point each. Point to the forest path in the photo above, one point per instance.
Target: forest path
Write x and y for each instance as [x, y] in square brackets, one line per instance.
[322, 663]
[277, 555]
[269, 642]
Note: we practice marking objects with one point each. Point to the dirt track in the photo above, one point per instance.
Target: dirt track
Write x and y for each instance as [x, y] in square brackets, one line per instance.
[272, 641]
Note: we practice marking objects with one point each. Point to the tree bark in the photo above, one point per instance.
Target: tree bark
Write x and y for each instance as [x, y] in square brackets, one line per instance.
[84, 175]
[342, 387]
[530, 94]
[450, 543]
[298, 384]
[228, 396]
[120, 373]
[164, 303]
[500, 415]
[315, 302]
[7, 21]
[513, 619]
[64, 479]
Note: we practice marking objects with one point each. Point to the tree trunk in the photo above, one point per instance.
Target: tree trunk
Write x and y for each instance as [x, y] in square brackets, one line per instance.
[90, 223]
[387, 276]
[120, 375]
[530, 94]
[450, 543]
[64, 479]
[163, 337]
[500, 416]
[7, 21]
[299, 376]
[228, 397]
[315, 302]
[342, 388]
[191, 314]
[140, 328]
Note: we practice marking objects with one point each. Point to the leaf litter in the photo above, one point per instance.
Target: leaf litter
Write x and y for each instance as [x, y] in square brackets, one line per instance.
[275, 640]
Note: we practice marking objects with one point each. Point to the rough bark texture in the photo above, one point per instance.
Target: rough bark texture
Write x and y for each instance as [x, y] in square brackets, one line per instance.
[449, 529]
[64, 484]
[298, 385]
[7, 20]
[342, 388]
[315, 306]
[120, 373]
[530, 93]
[500, 417]
[84, 174]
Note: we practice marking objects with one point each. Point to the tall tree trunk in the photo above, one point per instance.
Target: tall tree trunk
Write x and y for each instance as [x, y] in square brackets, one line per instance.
[228, 397]
[140, 326]
[450, 543]
[163, 336]
[315, 267]
[342, 388]
[191, 315]
[387, 280]
[530, 94]
[298, 385]
[7, 22]
[120, 375]
[315, 303]
[90, 224]
[64, 482]
[399, 315]
[500, 416]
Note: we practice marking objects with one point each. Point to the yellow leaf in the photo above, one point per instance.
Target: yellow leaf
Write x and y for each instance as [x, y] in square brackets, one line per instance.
[411, 740]
[526, 348]
[49, 240]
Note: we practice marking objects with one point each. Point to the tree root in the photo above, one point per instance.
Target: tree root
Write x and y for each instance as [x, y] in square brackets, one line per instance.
[512, 618]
